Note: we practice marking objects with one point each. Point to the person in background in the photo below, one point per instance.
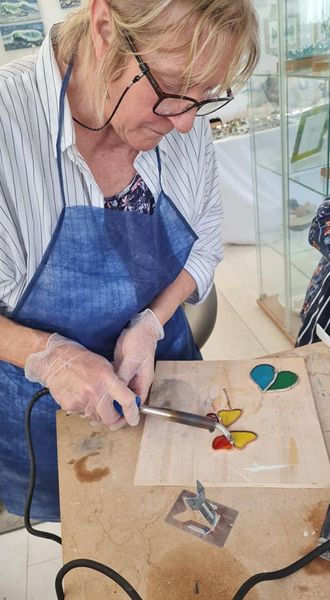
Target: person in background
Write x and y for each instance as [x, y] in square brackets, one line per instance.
[110, 212]
[316, 308]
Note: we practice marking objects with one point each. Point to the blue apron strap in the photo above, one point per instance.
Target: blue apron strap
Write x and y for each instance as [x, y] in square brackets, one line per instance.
[60, 129]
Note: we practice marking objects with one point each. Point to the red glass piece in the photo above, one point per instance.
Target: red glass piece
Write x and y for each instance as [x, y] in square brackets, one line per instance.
[221, 443]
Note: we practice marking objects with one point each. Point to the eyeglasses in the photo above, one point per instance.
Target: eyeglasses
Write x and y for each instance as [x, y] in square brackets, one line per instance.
[171, 105]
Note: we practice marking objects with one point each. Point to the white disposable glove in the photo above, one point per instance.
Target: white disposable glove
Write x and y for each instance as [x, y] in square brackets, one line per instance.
[81, 381]
[135, 349]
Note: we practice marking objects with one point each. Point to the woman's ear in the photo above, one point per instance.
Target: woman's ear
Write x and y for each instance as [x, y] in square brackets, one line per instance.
[100, 26]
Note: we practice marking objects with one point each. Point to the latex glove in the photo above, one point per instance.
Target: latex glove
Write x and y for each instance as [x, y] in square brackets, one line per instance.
[135, 349]
[81, 381]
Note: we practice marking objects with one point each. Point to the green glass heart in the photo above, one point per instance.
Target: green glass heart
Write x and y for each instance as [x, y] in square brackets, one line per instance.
[284, 380]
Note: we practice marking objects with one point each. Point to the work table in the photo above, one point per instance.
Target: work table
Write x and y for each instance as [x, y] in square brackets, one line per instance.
[108, 519]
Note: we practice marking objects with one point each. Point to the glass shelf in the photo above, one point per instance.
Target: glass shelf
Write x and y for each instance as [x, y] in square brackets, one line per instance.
[301, 73]
[309, 74]
[312, 180]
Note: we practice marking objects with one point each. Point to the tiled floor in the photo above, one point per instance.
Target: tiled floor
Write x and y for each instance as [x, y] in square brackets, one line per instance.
[242, 329]
[28, 565]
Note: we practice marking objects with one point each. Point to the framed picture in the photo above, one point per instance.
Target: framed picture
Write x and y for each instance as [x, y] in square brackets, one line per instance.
[22, 35]
[311, 130]
[69, 3]
[14, 11]
[292, 32]
[271, 36]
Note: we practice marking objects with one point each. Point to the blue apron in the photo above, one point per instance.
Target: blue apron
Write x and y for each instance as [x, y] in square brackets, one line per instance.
[101, 267]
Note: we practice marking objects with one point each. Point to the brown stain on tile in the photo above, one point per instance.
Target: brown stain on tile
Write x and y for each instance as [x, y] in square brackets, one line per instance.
[300, 589]
[319, 566]
[89, 475]
[293, 453]
[197, 572]
[315, 518]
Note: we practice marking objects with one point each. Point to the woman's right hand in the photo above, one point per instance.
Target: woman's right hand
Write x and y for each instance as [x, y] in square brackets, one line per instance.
[81, 382]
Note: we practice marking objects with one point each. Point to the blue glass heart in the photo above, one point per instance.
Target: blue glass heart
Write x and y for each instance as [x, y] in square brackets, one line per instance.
[263, 375]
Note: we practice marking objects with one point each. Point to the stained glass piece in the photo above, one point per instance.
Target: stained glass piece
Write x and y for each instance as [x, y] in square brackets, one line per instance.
[228, 417]
[263, 375]
[221, 443]
[242, 438]
[284, 380]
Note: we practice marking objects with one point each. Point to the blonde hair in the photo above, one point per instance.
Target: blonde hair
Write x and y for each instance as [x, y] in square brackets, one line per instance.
[162, 25]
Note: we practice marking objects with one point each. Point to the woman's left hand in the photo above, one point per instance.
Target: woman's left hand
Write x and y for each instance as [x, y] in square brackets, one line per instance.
[134, 357]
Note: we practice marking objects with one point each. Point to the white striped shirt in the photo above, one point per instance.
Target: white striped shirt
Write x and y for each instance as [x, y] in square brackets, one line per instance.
[30, 197]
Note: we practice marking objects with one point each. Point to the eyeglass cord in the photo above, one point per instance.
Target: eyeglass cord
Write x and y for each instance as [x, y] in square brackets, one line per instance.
[135, 80]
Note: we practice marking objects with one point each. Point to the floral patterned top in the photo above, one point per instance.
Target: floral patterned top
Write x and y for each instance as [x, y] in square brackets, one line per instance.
[316, 307]
[136, 197]
[319, 237]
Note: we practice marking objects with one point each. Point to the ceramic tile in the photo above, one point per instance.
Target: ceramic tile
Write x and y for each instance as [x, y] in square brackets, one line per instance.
[13, 565]
[238, 268]
[40, 549]
[41, 580]
[233, 335]
[243, 300]
[212, 350]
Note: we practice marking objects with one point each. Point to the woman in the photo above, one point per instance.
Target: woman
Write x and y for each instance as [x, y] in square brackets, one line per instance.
[316, 309]
[110, 211]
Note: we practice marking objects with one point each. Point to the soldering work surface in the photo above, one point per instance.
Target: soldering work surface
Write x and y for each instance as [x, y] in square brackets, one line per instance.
[289, 450]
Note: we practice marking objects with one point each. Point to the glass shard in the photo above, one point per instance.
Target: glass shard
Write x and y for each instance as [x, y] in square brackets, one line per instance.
[228, 417]
[284, 381]
[263, 375]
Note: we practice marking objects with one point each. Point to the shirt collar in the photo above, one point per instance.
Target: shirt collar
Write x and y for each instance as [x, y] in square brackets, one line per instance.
[49, 83]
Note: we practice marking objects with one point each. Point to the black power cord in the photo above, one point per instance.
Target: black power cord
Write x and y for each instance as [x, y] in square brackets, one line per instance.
[273, 575]
[29, 497]
[91, 564]
[83, 562]
[104, 569]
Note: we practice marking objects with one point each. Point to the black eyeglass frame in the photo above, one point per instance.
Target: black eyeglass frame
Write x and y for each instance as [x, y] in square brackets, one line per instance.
[163, 95]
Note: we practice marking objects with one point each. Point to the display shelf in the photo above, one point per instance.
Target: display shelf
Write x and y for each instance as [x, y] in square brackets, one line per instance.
[287, 160]
[309, 74]
[312, 180]
[300, 73]
[303, 261]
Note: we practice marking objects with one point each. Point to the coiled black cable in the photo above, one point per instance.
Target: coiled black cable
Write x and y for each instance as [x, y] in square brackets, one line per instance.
[83, 562]
[92, 564]
[32, 481]
[104, 569]
[289, 570]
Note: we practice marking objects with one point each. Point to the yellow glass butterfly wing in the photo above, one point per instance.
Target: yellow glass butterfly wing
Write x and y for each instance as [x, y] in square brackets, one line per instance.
[228, 417]
[242, 438]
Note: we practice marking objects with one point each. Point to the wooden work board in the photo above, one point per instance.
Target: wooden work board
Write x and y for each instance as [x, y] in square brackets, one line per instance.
[106, 518]
[288, 452]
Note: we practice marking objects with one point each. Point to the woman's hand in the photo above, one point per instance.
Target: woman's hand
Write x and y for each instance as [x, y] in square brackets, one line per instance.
[134, 359]
[81, 381]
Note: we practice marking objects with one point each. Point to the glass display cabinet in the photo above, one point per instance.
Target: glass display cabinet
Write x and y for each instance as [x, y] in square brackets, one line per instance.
[289, 116]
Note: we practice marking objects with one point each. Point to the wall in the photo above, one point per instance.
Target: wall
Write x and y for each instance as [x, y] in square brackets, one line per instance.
[51, 13]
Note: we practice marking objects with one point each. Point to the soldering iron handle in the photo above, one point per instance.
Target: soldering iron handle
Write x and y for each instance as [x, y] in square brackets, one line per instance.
[119, 407]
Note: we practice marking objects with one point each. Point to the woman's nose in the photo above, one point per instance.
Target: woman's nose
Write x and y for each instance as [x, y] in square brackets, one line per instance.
[183, 123]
